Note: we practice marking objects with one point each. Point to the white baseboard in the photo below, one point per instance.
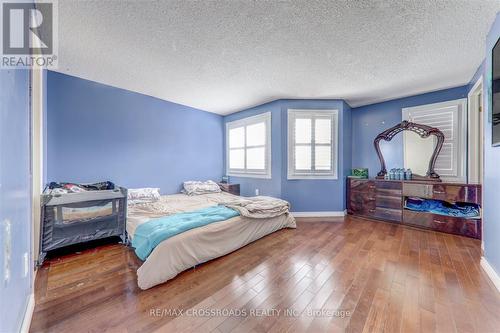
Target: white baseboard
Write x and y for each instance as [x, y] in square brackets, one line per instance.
[490, 271]
[320, 214]
[28, 314]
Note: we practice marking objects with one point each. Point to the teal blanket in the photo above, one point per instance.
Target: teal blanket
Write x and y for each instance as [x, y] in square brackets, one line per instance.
[148, 235]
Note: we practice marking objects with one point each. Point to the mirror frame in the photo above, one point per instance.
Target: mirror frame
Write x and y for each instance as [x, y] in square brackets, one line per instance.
[424, 131]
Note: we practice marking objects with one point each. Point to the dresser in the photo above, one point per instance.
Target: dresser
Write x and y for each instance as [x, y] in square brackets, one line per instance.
[230, 188]
[385, 200]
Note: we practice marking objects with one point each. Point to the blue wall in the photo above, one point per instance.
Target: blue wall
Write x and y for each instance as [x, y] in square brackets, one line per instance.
[15, 195]
[491, 213]
[475, 77]
[315, 195]
[304, 195]
[370, 120]
[97, 132]
[271, 187]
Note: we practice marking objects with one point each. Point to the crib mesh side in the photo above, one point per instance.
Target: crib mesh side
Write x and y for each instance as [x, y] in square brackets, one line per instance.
[67, 220]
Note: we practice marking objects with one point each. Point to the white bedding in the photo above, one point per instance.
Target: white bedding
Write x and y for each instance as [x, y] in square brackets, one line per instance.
[198, 245]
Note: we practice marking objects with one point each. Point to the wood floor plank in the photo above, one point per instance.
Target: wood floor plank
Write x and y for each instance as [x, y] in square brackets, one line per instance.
[344, 274]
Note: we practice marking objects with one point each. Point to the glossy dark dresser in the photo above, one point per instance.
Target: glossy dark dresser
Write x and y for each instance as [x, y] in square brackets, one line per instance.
[385, 200]
[230, 188]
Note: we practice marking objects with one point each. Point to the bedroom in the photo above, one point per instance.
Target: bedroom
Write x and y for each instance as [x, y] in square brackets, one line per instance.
[249, 166]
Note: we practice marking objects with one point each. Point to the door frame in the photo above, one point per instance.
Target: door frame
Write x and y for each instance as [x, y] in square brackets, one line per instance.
[475, 136]
[37, 152]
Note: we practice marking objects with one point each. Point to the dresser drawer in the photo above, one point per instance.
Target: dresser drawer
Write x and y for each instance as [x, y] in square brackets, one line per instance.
[374, 212]
[389, 214]
[363, 197]
[445, 192]
[364, 209]
[417, 190]
[388, 201]
[457, 193]
[359, 185]
[361, 203]
[448, 224]
[389, 188]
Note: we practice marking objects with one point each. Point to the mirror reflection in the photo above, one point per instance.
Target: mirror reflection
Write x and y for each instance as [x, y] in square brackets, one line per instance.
[392, 151]
[417, 152]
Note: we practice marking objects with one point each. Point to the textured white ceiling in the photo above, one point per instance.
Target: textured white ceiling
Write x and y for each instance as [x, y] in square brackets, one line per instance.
[224, 56]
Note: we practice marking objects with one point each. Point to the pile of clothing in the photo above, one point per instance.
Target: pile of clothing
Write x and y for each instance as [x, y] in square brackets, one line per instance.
[260, 207]
[458, 209]
[64, 188]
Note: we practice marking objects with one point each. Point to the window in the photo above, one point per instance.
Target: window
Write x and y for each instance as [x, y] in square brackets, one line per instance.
[248, 144]
[449, 117]
[312, 144]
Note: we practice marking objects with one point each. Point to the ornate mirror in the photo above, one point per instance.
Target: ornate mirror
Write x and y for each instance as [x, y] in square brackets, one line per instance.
[424, 132]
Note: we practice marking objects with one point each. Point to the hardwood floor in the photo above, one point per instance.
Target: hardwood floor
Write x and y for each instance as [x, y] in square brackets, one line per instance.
[377, 276]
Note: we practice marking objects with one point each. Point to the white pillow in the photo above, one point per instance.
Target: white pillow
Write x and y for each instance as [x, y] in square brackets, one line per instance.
[146, 194]
[197, 187]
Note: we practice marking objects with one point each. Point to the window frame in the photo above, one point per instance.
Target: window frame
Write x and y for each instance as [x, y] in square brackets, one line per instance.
[244, 122]
[293, 114]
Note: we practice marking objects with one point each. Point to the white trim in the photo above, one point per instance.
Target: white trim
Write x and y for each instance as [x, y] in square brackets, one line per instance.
[475, 132]
[490, 271]
[298, 177]
[462, 128]
[262, 117]
[37, 150]
[25, 327]
[249, 175]
[293, 174]
[476, 85]
[320, 214]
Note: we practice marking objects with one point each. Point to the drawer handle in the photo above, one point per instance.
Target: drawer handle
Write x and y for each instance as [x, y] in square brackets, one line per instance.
[372, 210]
[440, 222]
[439, 192]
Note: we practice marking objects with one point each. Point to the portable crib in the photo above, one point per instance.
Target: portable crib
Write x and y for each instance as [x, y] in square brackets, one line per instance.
[73, 218]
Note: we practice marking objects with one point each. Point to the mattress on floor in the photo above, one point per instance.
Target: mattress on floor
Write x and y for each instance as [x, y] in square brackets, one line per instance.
[198, 245]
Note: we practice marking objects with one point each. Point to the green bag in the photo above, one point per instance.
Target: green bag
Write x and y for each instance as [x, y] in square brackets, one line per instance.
[360, 172]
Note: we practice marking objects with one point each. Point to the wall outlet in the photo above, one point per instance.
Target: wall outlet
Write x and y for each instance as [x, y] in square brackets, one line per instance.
[256, 191]
[7, 250]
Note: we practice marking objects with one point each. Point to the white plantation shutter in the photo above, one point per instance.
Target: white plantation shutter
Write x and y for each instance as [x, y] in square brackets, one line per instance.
[237, 137]
[237, 159]
[303, 144]
[446, 121]
[312, 144]
[323, 143]
[248, 145]
[449, 117]
[256, 158]
[256, 134]
[237, 148]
